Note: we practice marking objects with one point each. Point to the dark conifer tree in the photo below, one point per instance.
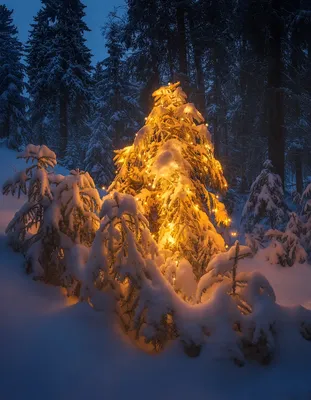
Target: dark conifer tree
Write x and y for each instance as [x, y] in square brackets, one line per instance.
[12, 101]
[43, 96]
[151, 35]
[64, 71]
[119, 93]
[116, 113]
[99, 156]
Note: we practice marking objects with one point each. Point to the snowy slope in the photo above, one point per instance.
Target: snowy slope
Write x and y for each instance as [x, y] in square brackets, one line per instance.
[53, 348]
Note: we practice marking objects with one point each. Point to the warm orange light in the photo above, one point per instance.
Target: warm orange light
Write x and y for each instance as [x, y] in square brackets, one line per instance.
[171, 240]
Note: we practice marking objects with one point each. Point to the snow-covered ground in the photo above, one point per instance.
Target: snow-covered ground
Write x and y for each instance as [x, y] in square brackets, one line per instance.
[55, 348]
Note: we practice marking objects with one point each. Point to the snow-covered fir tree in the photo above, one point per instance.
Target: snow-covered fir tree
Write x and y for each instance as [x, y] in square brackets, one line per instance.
[286, 247]
[59, 72]
[13, 124]
[172, 171]
[265, 203]
[57, 223]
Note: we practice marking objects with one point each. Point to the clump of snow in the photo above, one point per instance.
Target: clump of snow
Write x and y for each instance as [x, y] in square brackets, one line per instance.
[189, 111]
[185, 279]
[42, 153]
[168, 158]
[141, 135]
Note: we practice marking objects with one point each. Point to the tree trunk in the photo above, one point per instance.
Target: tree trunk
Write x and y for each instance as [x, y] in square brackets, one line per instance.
[197, 53]
[170, 45]
[63, 121]
[298, 170]
[217, 99]
[118, 128]
[7, 126]
[276, 138]
[182, 42]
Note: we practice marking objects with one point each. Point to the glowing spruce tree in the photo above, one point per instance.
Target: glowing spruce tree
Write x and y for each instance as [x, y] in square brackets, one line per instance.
[171, 170]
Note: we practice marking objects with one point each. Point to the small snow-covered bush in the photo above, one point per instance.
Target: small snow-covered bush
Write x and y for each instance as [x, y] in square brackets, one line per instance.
[33, 182]
[253, 297]
[58, 221]
[255, 240]
[286, 247]
[125, 258]
[222, 267]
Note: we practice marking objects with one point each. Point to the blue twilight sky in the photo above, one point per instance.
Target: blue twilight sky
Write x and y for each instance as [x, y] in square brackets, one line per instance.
[96, 13]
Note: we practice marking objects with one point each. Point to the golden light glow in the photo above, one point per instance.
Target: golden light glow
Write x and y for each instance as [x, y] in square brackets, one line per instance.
[187, 109]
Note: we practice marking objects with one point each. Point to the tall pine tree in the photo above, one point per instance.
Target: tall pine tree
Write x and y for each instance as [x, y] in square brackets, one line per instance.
[43, 96]
[64, 71]
[119, 94]
[12, 102]
[116, 111]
